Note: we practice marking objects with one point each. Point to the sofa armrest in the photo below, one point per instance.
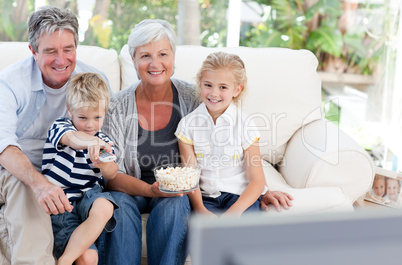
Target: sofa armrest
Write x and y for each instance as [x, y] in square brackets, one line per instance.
[321, 155]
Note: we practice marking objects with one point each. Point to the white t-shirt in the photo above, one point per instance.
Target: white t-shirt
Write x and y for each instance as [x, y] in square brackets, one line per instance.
[219, 147]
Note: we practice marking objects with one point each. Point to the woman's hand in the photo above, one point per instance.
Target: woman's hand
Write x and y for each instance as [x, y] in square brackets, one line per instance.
[157, 193]
[277, 198]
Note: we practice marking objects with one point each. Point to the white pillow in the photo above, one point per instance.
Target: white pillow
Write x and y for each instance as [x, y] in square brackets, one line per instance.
[306, 200]
[104, 60]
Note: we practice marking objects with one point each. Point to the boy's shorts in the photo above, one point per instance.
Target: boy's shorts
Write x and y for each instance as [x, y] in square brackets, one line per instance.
[64, 224]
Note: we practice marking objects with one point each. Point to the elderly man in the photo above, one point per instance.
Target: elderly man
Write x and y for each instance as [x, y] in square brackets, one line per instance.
[32, 97]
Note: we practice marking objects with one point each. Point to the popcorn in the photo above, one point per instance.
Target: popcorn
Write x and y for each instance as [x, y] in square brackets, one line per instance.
[177, 179]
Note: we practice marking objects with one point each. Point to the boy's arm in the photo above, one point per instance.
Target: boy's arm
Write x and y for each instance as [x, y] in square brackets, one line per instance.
[256, 183]
[80, 140]
[108, 169]
[187, 156]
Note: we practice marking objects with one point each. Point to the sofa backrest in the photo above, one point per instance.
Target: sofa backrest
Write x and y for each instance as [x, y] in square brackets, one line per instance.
[103, 59]
[284, 88]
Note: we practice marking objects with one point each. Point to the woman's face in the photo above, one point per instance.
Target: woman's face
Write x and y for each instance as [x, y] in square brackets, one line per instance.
[154, 62]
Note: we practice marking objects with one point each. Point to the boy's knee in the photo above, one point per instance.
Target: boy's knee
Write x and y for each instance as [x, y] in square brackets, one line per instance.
[102, 208]
[89, 257]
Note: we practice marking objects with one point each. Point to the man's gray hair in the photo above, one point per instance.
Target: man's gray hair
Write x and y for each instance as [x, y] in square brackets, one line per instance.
[150, 30]
[50, 19]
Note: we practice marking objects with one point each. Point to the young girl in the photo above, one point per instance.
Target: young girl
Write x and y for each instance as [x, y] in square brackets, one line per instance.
[223, 140]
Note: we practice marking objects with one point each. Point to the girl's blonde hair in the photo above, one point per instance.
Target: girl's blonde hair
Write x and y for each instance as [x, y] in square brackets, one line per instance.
[87, 90]
[222, 60]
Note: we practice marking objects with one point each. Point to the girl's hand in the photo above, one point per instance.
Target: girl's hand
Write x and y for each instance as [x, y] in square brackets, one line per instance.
[206, 212]
[231, 214]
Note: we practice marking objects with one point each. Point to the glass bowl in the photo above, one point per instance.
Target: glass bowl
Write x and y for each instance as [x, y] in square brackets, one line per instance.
[175, 178]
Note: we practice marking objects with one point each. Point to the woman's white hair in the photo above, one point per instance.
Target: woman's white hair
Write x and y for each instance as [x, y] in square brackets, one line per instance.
[150, 30]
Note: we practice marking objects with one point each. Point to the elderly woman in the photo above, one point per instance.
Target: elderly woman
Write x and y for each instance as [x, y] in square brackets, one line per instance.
[141, 121]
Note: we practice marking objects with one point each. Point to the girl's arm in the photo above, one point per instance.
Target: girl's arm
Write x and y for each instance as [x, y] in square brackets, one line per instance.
[187, 155]
[256, 184]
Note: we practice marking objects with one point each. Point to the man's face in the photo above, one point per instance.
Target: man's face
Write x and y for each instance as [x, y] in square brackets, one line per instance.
[56, 57]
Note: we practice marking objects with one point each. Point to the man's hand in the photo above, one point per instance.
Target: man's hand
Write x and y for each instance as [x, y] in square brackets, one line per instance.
[52, 198]
[277, 198]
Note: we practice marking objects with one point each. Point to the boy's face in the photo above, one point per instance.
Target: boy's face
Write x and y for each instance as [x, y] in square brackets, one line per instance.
[393, 189]
[379, 187]
[88, 119]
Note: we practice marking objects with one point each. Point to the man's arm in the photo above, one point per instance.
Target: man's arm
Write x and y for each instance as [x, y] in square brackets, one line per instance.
[50, 197]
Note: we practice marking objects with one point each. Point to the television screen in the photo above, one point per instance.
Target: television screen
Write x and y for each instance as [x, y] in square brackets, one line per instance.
[360, 237]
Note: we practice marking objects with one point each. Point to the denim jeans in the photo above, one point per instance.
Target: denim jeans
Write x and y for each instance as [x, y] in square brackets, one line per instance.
[223, 202]
[64, 224]
[166, 231]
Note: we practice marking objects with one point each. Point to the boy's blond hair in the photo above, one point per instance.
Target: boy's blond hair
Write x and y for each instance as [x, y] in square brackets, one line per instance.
[222, 60]
[87, 90]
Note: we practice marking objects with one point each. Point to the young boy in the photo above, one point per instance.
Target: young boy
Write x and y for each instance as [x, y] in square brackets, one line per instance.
[71, 161]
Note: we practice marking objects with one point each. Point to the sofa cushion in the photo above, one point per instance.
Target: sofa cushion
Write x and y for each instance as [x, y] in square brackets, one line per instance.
[105, 60]
[321, 155]
[284, 88]
[306, 200]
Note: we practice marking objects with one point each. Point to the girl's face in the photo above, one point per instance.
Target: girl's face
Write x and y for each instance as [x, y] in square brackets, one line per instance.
[393, 189]
[379, 187]
[154, 62]
[217, 91]
[88, 119]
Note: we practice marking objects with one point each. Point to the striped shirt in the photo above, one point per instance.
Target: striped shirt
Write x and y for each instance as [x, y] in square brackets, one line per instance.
[70, 169]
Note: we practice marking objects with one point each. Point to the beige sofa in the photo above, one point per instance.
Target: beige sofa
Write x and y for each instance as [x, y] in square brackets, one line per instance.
[320, 166]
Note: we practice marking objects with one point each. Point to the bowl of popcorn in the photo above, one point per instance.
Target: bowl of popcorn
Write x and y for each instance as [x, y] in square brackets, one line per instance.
[175, 178]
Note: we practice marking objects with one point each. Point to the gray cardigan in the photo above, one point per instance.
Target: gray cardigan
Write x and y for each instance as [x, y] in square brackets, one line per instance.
[121, 123]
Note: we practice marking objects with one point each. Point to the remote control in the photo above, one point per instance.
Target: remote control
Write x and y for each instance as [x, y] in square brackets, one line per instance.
[106, 157]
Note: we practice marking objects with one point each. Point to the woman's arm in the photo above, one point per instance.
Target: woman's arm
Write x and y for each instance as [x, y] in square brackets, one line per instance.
[256, 183]
[136, 187]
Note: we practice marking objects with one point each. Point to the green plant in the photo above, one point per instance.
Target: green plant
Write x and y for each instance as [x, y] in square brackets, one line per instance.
[319, 26]
[13, 24]
[123, 15]
[213, 31]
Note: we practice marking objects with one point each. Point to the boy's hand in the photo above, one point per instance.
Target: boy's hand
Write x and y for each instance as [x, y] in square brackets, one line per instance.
[94, 150]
